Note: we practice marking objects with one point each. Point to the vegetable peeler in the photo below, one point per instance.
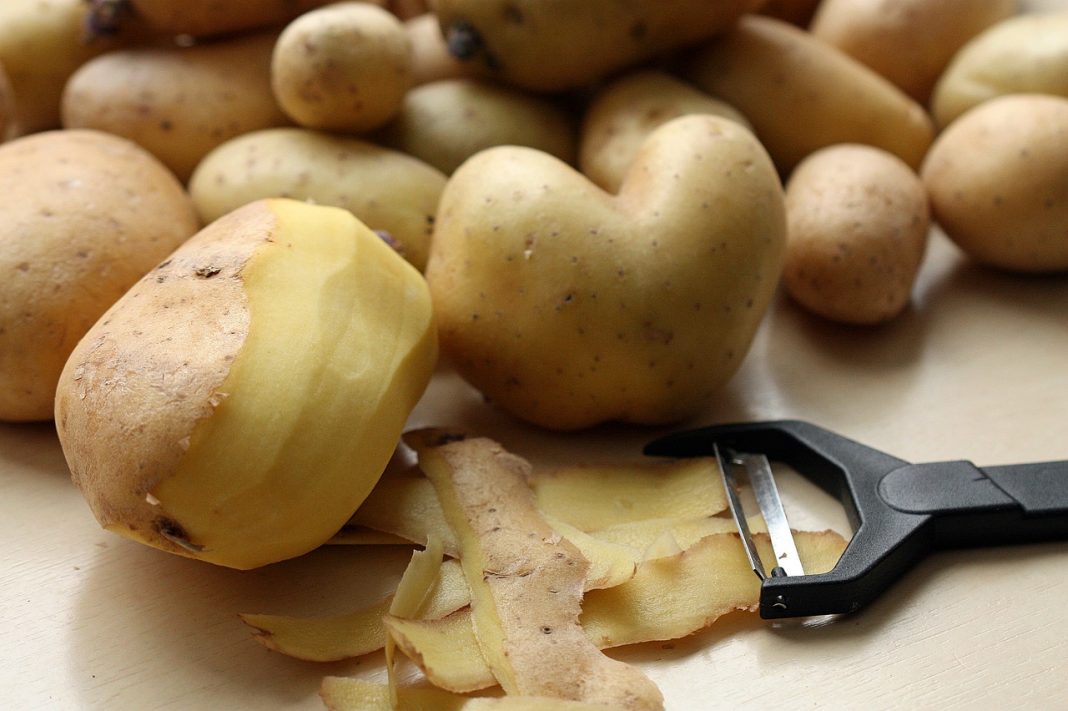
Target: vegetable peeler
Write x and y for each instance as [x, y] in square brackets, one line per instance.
[898, 511]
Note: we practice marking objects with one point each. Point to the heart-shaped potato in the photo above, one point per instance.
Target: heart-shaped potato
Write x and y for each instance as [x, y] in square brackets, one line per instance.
[568, 306]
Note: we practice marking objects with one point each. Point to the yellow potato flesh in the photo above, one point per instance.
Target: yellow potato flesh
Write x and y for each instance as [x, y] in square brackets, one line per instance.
[446, 650]
[327, 639]
[413, 591]
[595, 497]
[640, 535]
[406, 506]
[301, 434]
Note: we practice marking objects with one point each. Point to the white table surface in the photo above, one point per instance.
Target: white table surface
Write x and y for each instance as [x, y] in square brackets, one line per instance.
[977, 369]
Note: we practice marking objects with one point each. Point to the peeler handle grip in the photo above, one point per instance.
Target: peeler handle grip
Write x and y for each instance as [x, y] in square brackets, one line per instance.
[969, 506]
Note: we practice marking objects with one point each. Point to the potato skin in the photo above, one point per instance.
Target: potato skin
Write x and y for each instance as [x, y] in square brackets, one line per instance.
[625, 112]
[386, 190]
[857, 222]
[568, 306]
[85, 216]
[998, 181]
[345, 67]
[41, 45]
[796, 12]
[431, 60]
[203, 18]
[909, 42]
[562, 44]
[176, 103]
[7, 107]
[446, 122]
[802, 95]
[1022, 55]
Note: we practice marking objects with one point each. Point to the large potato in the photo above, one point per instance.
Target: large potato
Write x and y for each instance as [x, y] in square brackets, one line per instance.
[7, 107]
[201, 18]
[85, 216]
[796, 12]
[388, 191]
[549, 46]
[998, 181]
[242, 399]
[1027, 54]
[802, 95]
[568, 306]
[345, 67]
[446, 122]
[857, 221]
[909, 42]
[42, 42]
[177, 103]
[625, 112]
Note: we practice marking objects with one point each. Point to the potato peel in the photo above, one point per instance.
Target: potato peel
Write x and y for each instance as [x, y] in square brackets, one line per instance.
[526, 580]
[640, 535]
[445, 649]
[329, 639]
[406, 506]
[592, 497]
[414, 588]
[348, 694]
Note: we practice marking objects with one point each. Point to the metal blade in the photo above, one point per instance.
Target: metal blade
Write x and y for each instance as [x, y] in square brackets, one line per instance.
[731, 486]
[767, 496]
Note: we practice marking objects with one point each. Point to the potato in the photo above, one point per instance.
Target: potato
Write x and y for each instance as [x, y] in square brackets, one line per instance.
[549, 46]
[194, 421]
[390, 192]
[625, 112]
[407, 9]
[1027, 54]
[201, 18]
[176, 103]
[796, 12]
[909, 42]
[446, 122]
[998, 181]
[857, 221]
[802, 95]
[7, 108]
[345, 67]
[568, 306]
[431, 60]
[42, 42]
[85, 216]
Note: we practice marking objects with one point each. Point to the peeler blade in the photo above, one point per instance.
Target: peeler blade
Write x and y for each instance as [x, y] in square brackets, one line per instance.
[726, 463]
[767, 495]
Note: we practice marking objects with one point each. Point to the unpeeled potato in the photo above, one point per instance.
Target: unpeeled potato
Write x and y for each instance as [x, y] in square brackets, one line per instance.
[85, 216]
[201, 18]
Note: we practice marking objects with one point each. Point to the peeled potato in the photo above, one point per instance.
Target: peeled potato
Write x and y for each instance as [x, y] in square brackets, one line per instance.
[193, 420]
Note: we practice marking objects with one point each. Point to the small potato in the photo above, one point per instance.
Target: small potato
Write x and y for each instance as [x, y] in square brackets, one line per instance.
[625, 112]
[1023, 55]
[446, 122]
[998, 181]
[551, 46]
[178, 104]
[42, 42]
[802, 94]
[909, 42]
[431, 60]
[388, 191]
[345, 67]
[857, 221]
[85, 216]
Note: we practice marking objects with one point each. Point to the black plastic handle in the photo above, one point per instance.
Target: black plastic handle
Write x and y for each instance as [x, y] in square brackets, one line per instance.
[899, 511]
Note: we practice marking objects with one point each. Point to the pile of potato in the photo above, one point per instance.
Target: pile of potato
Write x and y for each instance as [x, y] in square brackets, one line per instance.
[581, 201]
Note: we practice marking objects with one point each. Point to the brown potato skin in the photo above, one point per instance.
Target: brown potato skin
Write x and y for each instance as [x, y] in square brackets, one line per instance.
[203, 18]
[126, 346]
[431, 60]
[85, 215]
[998, 181]
[7, 107]
[796, 12]
[801, 94]
[552, 45]
[857, 222]
[177, 103]
[909, 42]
